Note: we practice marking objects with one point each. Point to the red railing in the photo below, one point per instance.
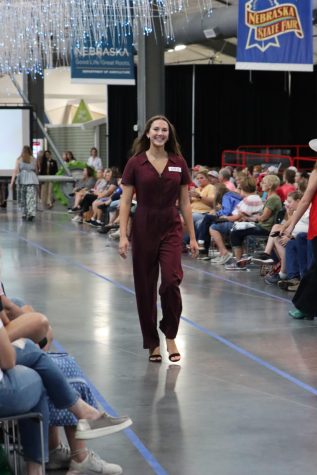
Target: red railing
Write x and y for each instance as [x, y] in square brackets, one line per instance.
[267, 155]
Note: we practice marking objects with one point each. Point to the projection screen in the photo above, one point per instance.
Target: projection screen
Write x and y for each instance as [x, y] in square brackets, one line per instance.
[15, 131]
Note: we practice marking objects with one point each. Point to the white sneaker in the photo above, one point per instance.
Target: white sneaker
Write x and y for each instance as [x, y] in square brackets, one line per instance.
[224, 259]
[59, 458]
[104, 425]
[93, 464]
[215, 260]
[77, 219]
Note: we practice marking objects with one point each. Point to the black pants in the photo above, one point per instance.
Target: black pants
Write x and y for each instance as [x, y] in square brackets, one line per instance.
[305, 298]
[87, 202]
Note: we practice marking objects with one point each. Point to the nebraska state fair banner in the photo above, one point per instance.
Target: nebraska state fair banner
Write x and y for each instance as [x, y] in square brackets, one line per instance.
[275, 35]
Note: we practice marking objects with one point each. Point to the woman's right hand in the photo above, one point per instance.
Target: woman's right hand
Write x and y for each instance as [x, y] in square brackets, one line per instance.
[123, 247]
[288, 231]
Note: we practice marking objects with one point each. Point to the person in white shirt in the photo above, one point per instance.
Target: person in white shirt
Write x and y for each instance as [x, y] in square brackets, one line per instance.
[94, 161]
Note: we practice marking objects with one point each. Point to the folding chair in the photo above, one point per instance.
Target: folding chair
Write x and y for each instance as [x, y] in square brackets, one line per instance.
[12, 441]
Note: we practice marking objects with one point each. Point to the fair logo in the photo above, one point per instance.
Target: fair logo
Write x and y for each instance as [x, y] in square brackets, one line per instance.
[267, 20]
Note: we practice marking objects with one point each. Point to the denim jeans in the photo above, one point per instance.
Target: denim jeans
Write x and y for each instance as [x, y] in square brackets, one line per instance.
[298, 256]
[36, 378]
[22, 391]
[197, 219]
[203, 231]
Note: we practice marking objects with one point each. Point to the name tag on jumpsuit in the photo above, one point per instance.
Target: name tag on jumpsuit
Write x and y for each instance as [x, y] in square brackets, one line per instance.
[175, 169]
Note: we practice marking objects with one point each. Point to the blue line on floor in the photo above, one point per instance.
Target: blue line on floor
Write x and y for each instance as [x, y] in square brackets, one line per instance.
[239, 284]
[251, 356]
[198, 327]
[76, 264]
[146, 454]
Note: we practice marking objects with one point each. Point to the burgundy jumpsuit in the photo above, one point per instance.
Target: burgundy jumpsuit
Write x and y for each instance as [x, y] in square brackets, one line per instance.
[157, 243]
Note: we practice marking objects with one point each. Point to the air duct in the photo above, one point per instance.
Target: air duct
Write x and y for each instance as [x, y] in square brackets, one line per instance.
[220, 23]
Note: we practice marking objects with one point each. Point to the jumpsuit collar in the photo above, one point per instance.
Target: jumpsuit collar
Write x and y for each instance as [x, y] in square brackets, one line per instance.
[170, 158]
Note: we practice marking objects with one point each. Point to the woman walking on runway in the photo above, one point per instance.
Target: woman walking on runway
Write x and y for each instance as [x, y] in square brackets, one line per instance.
[305, 299]
[159, 175]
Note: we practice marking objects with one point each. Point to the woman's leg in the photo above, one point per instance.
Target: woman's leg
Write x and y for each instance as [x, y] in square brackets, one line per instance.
[50, 194]
[305, 297]
[237, 237]
[23, 203]
[57, 387]
[197, 219]
[31, 198]
[280, 250]
[270, 242]
[292, 260]
[29, 325]
[44, 192]
[22, 391]
[171, 277]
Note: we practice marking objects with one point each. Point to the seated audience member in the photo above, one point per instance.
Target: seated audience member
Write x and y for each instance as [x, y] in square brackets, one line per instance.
[48, 166]
[277, 241]
[213, 177]
[94, 161]
[24, 322]
[91, 195]
[238, 176]
[114, 216]
[68, 157]
[224, 177]
[76, 457]
[201, 198]
[257, 225]
[29, 376]
[288, 185]
[298, 258]
[301, 181]
[194, 171]
[250, 204]
[81, 187]
[224, 204]
[104, 198]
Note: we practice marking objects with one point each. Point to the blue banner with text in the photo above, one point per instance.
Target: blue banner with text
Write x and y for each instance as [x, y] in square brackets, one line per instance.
[109, 61]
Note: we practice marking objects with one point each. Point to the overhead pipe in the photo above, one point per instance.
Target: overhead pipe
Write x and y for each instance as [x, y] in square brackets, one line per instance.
[197, 27]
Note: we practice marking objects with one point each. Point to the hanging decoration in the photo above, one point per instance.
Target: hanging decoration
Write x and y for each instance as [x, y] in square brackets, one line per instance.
[37, 34]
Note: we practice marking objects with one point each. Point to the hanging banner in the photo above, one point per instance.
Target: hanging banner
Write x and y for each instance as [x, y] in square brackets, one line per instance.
[108, 62]
[275, 35]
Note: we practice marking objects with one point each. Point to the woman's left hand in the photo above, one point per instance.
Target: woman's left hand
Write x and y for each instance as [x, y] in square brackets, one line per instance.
[194, 249]
[284, 240]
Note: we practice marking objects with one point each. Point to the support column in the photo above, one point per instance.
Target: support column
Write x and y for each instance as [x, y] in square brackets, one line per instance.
[150, 76]
[35, 89]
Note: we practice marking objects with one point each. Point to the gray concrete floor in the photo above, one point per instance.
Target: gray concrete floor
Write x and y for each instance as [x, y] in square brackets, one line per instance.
[242, 400]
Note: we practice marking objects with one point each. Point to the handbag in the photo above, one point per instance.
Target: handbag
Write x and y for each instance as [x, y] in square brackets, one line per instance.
[76, 378]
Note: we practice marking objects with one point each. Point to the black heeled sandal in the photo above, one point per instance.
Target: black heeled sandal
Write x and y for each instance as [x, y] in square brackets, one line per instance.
[174, 357]
[157, 358]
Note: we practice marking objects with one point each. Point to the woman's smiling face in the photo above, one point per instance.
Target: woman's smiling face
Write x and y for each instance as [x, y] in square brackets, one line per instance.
[158, 133]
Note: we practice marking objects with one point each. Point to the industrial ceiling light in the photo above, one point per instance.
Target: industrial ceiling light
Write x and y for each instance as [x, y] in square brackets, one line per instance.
[33, 32]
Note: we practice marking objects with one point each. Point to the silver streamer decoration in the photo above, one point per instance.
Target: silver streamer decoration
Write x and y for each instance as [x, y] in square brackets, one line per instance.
[35, 34]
